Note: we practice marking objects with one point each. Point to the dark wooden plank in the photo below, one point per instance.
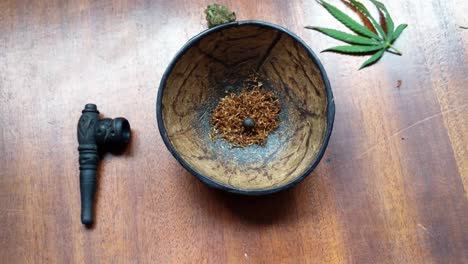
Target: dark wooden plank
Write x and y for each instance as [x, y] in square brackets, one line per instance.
[391, 188]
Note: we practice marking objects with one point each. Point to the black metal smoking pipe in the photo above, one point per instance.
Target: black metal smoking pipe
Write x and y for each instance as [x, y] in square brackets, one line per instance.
[95, 137]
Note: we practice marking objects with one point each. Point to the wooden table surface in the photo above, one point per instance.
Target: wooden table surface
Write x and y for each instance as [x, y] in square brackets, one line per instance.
[392, 187]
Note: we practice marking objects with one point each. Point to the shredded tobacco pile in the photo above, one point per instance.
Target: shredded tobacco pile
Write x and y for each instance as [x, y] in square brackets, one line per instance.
[251, 103]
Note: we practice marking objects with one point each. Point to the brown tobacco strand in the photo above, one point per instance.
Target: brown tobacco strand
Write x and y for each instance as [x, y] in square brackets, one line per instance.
[261, 106]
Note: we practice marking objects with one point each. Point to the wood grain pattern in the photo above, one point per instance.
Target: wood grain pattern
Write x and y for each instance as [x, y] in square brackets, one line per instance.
[392, 187]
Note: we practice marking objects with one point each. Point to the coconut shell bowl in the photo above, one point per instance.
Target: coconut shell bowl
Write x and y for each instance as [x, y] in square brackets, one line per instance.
[211, 65]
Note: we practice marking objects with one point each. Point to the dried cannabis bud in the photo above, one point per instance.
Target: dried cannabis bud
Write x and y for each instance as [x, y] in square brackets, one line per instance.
[218, 14]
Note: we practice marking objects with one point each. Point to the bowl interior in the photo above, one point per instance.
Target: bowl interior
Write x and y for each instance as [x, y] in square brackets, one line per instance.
[225, 56]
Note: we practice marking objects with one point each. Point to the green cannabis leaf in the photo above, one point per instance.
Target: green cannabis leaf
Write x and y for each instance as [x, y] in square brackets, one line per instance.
[367, 41]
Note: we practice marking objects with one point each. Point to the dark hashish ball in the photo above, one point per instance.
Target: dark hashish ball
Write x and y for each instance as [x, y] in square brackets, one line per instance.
[248, 123]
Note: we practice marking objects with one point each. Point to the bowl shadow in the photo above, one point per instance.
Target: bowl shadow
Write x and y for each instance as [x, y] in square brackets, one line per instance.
[255, 210]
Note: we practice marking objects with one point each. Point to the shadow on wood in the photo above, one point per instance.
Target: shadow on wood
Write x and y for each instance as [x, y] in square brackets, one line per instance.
[256, 210]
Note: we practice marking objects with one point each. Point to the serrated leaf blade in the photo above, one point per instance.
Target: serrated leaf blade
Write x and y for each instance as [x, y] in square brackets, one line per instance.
[354, 49]
[343, 36]
[348, 21]
[360, 6]
[388, 18]
[373, 59]
[363, 9]
[398, 32]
